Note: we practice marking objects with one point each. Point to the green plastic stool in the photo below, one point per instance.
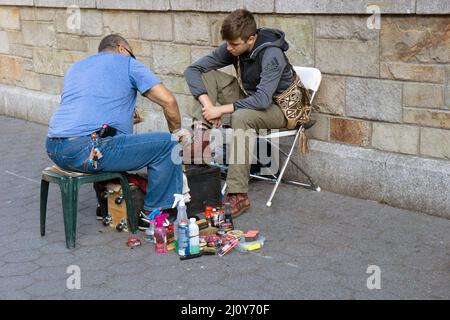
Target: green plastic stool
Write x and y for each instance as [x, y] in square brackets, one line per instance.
[69, 182]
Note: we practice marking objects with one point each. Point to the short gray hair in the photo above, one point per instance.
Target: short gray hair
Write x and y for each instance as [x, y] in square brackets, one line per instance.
[111, 42]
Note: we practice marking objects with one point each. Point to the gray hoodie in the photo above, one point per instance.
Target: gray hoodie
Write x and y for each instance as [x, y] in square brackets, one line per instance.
[264, 70]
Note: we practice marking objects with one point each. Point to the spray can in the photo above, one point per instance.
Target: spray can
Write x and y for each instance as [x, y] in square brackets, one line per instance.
[194, 239]
[160, 234]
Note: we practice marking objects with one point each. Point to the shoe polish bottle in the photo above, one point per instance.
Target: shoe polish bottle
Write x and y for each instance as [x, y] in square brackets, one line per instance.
[208, 213]
[229, 215]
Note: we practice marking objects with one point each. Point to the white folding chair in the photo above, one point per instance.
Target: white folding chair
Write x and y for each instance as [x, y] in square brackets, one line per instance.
[311, 78]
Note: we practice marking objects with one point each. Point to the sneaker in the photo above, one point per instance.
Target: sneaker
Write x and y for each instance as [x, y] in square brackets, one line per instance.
[99, 212]
[239, 203]
[198, 151]
[143, 220]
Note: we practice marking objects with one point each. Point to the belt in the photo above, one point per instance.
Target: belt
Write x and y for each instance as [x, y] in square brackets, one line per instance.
[66, 138]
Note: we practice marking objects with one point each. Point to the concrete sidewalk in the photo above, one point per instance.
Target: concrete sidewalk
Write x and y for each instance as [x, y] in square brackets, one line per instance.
[318, 245]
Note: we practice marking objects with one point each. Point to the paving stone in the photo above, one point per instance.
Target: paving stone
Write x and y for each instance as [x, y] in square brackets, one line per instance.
[88, 293]
[14, 295]
[22, 256]
[53, 248]
[318, 248]
[47, 288]
[58, 259]
[17, 269]
[127, 283]
[95, 278]
[50, 273]
[15, 283]
[127, 268]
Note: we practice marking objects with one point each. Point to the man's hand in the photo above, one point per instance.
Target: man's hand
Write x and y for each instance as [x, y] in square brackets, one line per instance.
[210, 112]
[137, 117]
[182, 135]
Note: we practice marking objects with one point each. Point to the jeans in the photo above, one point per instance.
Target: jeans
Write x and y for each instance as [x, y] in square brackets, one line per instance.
[127, 152]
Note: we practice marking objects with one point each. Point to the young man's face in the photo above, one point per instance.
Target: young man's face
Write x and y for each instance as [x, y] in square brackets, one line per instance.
[238, 46]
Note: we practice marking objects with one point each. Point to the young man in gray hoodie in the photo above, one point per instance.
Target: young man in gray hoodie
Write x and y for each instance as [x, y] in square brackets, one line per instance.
[258, 56]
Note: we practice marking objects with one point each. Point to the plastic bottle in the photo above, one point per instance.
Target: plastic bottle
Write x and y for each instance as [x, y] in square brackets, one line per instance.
[194, 239]
[208, 213]
[214, 218]
[160, 234]
[150, 233]
[228, 215]
[221, 216]
[183, 238]
[181, 215]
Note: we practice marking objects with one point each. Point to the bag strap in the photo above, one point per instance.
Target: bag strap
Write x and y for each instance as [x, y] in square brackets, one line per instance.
[239, 77]
[295, 79]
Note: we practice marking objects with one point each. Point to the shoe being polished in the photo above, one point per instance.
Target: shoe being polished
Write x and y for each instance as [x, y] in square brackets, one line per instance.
[198, 152]
[239, 203]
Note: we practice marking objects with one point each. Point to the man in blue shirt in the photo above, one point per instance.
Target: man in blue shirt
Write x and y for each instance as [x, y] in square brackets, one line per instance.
[102, 89]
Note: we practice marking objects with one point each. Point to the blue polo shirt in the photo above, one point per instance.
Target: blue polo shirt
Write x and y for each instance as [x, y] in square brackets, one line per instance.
[100, 89]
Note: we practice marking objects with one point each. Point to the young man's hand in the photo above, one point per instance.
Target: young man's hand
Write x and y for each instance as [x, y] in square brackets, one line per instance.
[212, 112]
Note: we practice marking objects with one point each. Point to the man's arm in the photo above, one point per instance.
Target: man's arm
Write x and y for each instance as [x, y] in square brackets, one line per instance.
[162, 96]
[217, 59]
[272, 66]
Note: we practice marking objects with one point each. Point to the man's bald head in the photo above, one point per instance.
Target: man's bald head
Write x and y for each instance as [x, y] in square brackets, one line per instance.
[111, 42]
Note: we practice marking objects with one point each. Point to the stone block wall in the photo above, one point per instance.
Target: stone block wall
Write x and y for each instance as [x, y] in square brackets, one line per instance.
[385, 89]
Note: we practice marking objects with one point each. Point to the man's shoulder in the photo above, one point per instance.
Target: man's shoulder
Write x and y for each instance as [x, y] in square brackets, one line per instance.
[271, 52]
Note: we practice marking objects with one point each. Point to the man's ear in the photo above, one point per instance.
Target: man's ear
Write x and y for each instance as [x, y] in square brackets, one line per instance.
[251, 39]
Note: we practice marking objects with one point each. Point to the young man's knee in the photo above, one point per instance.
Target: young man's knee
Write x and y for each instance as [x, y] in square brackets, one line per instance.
[241, 120]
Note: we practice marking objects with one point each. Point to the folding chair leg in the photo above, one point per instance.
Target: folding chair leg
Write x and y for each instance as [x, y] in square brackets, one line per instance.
[224, 188]
[312, 185]
[280, 176]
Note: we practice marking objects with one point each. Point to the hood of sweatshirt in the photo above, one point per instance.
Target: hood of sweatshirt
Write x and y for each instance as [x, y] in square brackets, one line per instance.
[266, 38]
